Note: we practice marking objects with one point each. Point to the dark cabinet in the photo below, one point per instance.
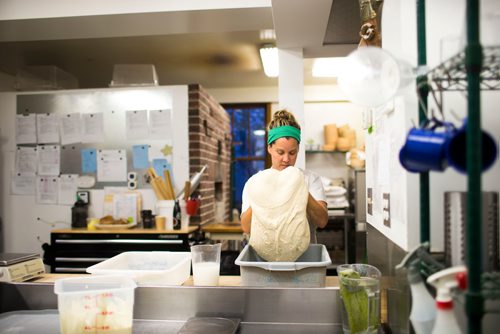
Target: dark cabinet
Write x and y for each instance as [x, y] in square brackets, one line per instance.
[72, 251]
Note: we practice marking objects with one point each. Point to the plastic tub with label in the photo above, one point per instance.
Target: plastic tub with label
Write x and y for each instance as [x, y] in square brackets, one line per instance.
[95, 304]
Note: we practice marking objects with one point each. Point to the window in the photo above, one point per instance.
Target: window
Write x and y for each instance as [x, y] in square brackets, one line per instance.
[248, 129]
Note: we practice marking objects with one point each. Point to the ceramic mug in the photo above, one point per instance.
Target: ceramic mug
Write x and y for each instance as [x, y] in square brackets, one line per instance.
[425, 148]
[456, 150]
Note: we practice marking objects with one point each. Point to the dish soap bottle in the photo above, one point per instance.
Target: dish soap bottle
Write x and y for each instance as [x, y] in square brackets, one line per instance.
[444, 281]
[177, 215]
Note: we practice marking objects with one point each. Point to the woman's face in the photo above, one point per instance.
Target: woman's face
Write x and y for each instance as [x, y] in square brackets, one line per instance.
[283, 152]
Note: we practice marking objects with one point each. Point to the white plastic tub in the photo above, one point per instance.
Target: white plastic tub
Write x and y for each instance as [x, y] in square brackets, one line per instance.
[309, 270]
[95, 304]
[147, 268]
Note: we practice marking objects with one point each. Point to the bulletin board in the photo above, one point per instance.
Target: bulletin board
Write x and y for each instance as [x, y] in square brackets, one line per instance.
[111, 126]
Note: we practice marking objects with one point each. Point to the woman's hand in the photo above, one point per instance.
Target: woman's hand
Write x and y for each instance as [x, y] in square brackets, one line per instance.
[317, 213]
[246, 221]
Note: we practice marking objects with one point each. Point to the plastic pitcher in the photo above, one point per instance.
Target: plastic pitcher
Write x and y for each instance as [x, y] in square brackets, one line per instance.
[360, 298]
[95, 304]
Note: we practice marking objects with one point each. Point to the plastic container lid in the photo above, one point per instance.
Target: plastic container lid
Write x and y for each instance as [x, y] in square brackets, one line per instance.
[78, 285]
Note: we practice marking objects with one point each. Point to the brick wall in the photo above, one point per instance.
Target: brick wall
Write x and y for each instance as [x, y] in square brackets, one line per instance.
[210, 144]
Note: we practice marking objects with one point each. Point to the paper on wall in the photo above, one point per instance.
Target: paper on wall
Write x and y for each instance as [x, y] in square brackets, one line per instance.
[112, 165]
[67, 188]
[26, 129]
[118, 203]
[47, 188]
[92, 128]
[22, 184]
[140, 156]
[160, 151]
[47, 128]
[89, 160]
[125, 206]
[383, 171]
[49, 159]
[137, 124]
[160, 124]
[26, 160]
[70, 128]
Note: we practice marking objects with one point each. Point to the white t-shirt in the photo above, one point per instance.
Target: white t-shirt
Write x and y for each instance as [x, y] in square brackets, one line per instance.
[316, 190]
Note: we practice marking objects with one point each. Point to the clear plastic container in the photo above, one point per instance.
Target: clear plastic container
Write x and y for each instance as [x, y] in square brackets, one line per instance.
[125, 75]
[360, 298]
[309, 270]
[95, 304]
[147, 268]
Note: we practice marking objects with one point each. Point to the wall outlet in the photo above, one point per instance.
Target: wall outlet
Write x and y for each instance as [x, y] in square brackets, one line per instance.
[386, 209]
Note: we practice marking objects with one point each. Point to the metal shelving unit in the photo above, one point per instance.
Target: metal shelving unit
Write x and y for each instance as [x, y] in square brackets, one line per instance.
[472, 70]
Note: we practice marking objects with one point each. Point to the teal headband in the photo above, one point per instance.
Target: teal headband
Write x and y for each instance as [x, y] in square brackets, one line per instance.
[283, 131]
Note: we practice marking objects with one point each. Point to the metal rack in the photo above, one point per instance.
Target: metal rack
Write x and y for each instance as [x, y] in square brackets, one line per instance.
[472, 70]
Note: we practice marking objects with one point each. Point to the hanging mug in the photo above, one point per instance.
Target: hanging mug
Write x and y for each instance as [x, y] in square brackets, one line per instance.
[425, 147]
[456, 150]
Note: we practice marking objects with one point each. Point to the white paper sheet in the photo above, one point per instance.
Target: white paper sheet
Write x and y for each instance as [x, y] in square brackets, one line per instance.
[383, 151]
[92, 128]
[47, 188]
[160, 124]
[137, 124]
[49, 159]
[69, 125]
[47, 128]
[67, 188]
[26, 160]
[160, 151]
[111, 165]
[125, 206]
[26, 129]
[22, 184]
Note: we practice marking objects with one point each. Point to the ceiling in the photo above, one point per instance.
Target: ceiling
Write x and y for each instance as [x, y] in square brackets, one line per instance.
[216, 48]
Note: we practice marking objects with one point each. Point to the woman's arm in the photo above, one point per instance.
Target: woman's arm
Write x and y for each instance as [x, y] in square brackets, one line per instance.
[317, 213]
[246, 220]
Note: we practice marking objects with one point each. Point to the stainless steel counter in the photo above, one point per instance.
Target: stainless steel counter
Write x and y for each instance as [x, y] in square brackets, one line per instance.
[261, 310]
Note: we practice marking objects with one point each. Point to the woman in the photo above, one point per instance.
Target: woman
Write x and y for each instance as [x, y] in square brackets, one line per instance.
[283, 146]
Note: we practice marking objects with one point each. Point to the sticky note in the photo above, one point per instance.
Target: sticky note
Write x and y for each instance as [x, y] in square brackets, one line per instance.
[161, 165]
[89, 160]
[140, 156]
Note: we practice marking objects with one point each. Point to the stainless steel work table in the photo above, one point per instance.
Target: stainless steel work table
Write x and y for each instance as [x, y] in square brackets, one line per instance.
[165, 309]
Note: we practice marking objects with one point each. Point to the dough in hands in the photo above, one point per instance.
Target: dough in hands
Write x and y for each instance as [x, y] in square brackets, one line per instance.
[279, 230]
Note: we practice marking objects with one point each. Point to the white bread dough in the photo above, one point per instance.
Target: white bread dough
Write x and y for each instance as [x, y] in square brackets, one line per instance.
[279, 230]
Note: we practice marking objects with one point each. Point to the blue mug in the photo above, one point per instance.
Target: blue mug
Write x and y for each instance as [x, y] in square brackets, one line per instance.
[425, 148]
[456, 150]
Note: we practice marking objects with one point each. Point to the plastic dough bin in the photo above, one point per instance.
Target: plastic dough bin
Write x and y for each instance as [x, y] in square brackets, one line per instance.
[151, 268]
[309, 270]
[95, 304]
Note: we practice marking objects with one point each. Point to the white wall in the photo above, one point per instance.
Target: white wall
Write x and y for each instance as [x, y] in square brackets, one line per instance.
[26, 224]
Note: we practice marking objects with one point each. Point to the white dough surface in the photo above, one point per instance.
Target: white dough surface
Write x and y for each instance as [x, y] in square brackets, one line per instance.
[279, 230]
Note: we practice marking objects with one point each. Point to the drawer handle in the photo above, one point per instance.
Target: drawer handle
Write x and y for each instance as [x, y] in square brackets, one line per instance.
[81, 259]
[73, 270]
[118, 241]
